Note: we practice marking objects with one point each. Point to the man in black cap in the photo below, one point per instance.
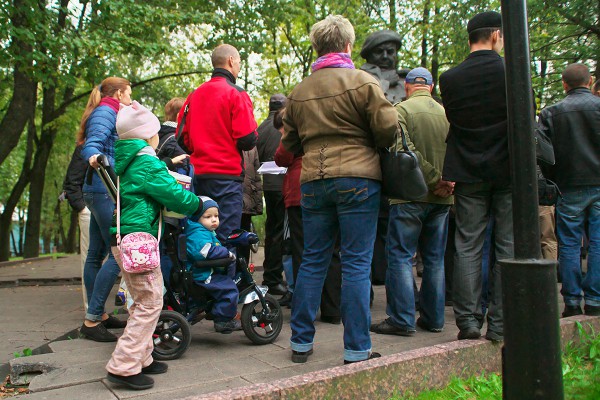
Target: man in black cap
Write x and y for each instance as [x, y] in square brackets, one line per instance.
[381, 52]
[474, 97]
[268, 141]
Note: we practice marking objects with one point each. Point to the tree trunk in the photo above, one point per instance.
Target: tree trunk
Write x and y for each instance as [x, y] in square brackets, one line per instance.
[435, 56]
[424, 25]
[15, 194]
[393, 16]
[24, 88]
[70, 242]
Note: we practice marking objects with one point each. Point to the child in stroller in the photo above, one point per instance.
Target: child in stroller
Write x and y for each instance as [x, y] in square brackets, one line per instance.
[202, 244]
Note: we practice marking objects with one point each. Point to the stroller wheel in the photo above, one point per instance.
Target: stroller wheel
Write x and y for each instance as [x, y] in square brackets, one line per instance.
[262, 326]
[171, 337]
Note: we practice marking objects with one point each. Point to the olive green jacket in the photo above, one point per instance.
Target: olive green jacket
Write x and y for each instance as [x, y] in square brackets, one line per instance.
[338, 117]
[147, 186]
[425, 122]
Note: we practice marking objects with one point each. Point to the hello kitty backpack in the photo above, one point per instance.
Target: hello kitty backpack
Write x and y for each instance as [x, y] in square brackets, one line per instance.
[139, 250]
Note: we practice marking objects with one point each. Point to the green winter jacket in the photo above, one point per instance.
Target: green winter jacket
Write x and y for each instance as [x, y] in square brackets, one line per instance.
[147, 186]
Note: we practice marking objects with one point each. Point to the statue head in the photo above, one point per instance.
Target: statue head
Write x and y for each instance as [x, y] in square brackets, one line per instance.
[381, 49]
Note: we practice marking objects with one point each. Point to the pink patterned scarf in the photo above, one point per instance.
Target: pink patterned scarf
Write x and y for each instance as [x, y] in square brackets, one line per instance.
[333, 60]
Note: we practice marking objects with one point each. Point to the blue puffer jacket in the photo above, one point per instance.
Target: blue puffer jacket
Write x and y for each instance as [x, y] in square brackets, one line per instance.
[100, 138]
[202, 244]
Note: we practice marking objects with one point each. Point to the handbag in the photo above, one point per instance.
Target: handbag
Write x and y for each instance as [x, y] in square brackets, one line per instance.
[402, 177]
[139, 250]
[548, 191]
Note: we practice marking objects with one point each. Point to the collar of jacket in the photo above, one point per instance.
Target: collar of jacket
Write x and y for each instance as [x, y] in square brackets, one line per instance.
[419, 92]
[479, 53]
[578, 90]
[223, 73]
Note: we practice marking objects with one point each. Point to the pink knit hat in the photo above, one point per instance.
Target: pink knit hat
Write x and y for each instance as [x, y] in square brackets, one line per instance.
[136, 122]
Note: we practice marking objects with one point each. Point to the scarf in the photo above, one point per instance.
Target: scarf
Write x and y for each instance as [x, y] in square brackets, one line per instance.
[333, 60]
[111, 102]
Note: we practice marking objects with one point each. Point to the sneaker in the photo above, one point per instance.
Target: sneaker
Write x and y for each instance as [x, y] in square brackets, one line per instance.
[301, 356]
[494, 336]
[471, 332]
[371, 356]
[114, 323]
[331, 320]
[423, 325]
[227, 327]
[155, 368]
[135, 382]
[97, 333]
[570, 311]
[591, 310]
[386, 328]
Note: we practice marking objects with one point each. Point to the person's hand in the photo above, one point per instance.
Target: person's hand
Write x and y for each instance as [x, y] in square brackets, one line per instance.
[93, 161]
[444, 188]
[179, 159]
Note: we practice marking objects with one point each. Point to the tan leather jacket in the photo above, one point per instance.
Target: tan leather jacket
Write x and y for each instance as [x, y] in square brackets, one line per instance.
[338, 117]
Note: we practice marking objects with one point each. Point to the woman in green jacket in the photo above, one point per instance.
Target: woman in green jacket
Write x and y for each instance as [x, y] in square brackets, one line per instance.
[145, 187]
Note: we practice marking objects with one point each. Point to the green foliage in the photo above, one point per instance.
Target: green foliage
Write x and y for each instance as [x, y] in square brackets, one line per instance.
[26, 353]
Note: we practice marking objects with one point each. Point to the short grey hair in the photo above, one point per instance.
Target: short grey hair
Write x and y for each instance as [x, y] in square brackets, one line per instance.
[331, 35]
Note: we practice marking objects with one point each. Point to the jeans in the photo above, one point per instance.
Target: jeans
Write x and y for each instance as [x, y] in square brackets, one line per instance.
[474, 203]
[99, 278]
[573, 210]
[348, 206]
[409, 224]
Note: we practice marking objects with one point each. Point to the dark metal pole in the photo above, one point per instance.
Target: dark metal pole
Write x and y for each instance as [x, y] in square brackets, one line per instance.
[531, 358]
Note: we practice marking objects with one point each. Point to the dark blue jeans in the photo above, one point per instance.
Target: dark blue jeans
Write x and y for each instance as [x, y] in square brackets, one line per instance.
[99, 278]
[348, 206]
[407, 223]
[573, 210]
[229, 196]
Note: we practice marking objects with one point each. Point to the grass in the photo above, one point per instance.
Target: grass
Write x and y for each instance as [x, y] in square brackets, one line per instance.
[54, 256]
[581, 376]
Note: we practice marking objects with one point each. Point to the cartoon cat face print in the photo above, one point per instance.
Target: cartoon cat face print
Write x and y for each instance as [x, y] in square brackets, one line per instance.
[139, 258]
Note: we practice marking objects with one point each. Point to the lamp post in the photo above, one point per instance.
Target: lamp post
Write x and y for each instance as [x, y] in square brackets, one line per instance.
[531, 357]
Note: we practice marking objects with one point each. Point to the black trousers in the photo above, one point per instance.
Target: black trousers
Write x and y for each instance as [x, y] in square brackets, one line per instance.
[332, 289]
[273, 266]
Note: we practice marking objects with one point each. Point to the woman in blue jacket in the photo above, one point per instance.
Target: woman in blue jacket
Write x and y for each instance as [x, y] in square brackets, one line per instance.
[98, 134]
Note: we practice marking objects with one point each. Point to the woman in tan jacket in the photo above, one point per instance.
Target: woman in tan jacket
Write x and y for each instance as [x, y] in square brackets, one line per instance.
[337, 116]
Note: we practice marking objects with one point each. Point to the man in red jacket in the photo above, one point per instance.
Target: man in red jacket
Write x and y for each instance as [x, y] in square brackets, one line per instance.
[219, 124]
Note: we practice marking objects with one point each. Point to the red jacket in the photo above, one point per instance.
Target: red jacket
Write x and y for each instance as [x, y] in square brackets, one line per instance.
[291, 181]
[219, 114]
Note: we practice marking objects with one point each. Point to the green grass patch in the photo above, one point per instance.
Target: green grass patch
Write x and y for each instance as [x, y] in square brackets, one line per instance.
[581, 376]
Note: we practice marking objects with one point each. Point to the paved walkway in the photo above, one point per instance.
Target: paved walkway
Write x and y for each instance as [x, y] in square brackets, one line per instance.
[35, 315]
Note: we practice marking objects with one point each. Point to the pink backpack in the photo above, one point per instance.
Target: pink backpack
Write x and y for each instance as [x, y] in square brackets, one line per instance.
[139, 250]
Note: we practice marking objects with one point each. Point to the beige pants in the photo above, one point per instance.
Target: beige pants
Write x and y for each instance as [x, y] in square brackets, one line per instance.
[134, 348]
[84, 244]
[547, 233]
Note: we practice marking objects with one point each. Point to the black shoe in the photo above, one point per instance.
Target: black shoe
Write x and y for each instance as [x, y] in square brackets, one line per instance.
[301, 356]
[570, 311]
[278, 290]
[228, 327]
[373, 355]
[136, 382]
[97, 333]
[591, 310]
[155, 368]
[421, 324]
[471, 332]
[114, 323]
[494, 336]
[286, 300]
[386, 328]
[331, 320]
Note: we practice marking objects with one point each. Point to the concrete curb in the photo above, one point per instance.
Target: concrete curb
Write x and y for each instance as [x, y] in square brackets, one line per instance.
[381, 378]
[40, 282]
[25, 261]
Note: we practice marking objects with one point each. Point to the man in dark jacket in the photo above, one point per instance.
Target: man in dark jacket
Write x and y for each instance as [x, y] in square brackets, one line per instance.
[72, 189]
[474, 97]
[573, 126]
[268, 141]
[219, 125]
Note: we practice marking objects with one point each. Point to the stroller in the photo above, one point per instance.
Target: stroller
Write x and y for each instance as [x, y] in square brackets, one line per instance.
[186, 303]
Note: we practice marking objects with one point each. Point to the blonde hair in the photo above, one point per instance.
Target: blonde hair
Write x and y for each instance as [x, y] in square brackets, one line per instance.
[172, 108]
[107, 88]
[331, 35]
